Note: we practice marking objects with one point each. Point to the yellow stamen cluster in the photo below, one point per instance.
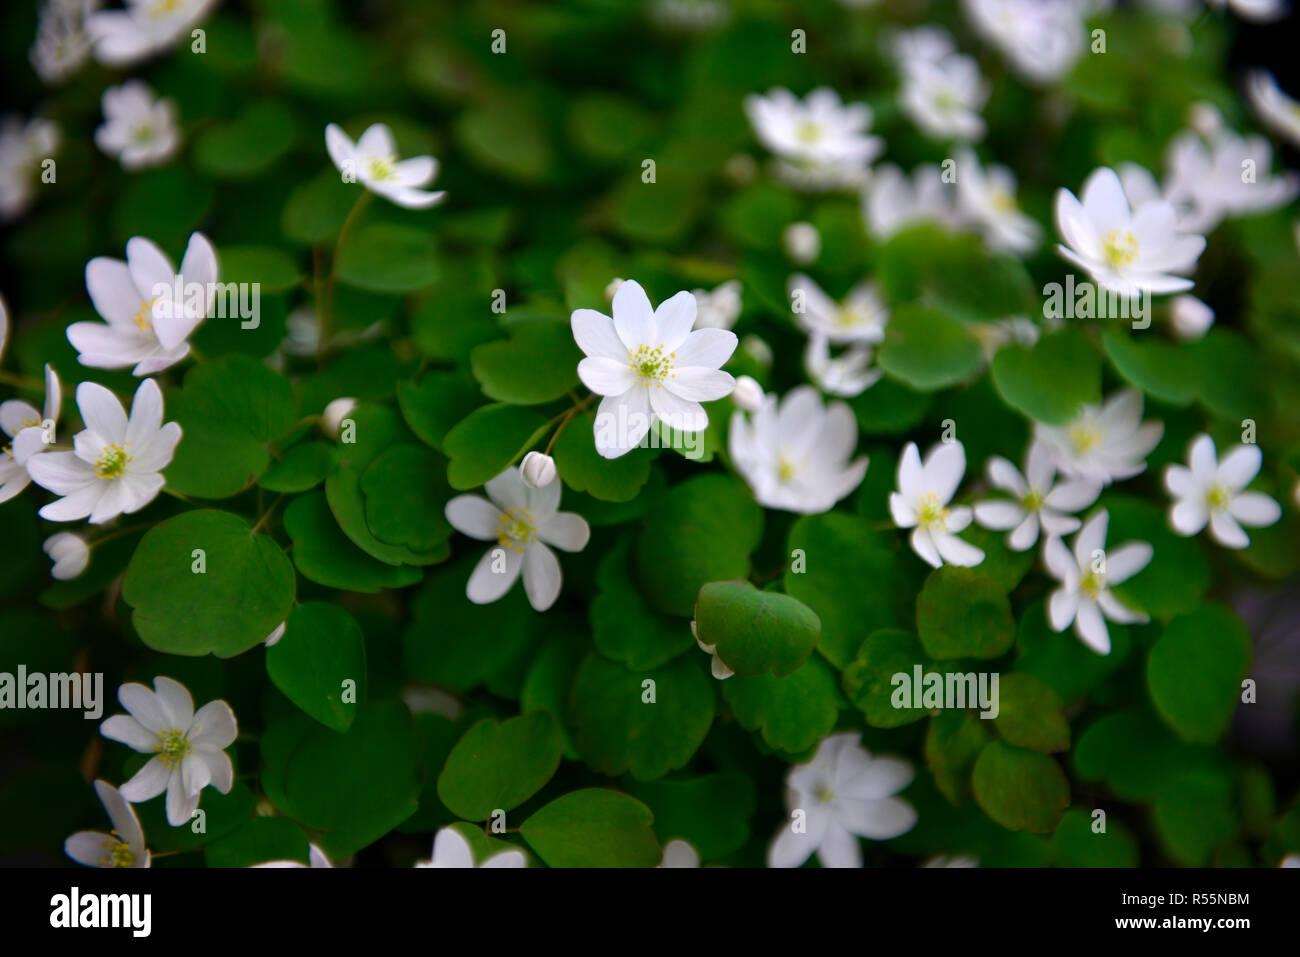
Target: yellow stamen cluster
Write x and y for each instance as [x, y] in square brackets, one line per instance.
[516, 529]
[1217, 498]
[650, 365]
[810, 131]
[143, 317]
[1084, 436]
[1121, 249]
[1092, 584]
[161, 8]
[381, 167]
[112, 461]
[173, 747]
[931, 514]
[1033, 500]
[786, 470]
[116, 854]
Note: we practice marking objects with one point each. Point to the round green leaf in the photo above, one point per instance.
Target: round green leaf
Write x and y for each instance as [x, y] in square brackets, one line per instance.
[954, 741]
[317, 209]
[405, 497]
[1030, 715]
[385, 257]
[584, 469]
[499, 765]
[1021, 790]
[1077, 844]
[869, 678]
[961, 613]
[927, 349]
[539, 362]
[1195, 671]
[593, 828]
[755, 631]
[301, 468]
[272, 269]
[321, 650]
[623, 627]
[436, 403]
[711, 812]
[1164, 371]
[1049, 381]
[323, 554]
[243, 147]
[792, 713]
[482, 444]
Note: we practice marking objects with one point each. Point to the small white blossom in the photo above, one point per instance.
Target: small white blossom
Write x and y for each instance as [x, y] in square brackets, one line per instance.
[273, 639]
[314, 854]
[892, 201]
[116, 464]
[1039, 499]
[747, 396]
[372, 161]
[987, 197]
[861, 317]
[921, 504]
[996, 333]
[139, 128]
[1207, 491]
[1042, 39]
[537, 470]
[802, 243]
[821, 142]
[1190, 317]
[450, 849]
[188, 747]
[717, 666]
[523, 522]
[795, 453]
[69, 553]
[144, 29]
[679, 853]
[846, 375]
[1278, 111]
[25, 425]
[1256, 11]
[24, 146]
[1104, 443]
[841, 795]
[124, 847]
[63, 41]
[1084, 597]
[335, 414]
[943, 98]
[718, 309]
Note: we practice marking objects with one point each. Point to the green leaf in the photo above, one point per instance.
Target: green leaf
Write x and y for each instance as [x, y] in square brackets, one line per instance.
[245, 591]
[1051, 380]
[1195, 671]
[436, 403]
[583, 469]
[498, 766]
[953, 273]
[1227, 373]
[755, 631]
[792, 713]
[323, 554]
[1021, 790]
[164, 204]
[889, 408]
[1162, 370]
[230, 411]
[961, 613]
[504, 136]
[1195, 815]
[608, 127]
[927, 349]
[1061, 660]
[646, 723]
[301, 468]
[700, 530]
[486, 441]
[1178, 574]
[1030, 714]
[538, 363]
[259, 841]
[869, 678]
[954, 741]
[711, 812]
[272, 269]
[405, 497]
[623, 627]
[1077, 845]
[594, 827]
[322, 649]
[317, 209]
[385, 257]
[248, 144]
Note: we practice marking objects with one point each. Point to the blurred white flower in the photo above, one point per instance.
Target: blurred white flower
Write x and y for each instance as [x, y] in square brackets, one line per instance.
[801, 242]
[943, 98]
[335, 414]
[996, 333]
[523, 522]
[846, 375]
[372, 161]
[955, 860]
[679, 853]
[720, 308]
[144, 29]
[1038, 499]
[927, 42]
[692, 15]
[1209, 491]
[1256, 11]
[795, 453]
[63, 41]
[1041, 39]
[861, 317]
[1190, 317]
[921, 504]
[1125, 249]
[189, 747]
[450, 849]
[1277, 111]
[841, 795]
[747, 395]
[122, 848]
[139, 128]
[1084, 597]
[69, 553]
[987, 197]
[25, 425]
[892, 201]
[1104, 443]
[819, 136]
[24, 146]
[314, 854]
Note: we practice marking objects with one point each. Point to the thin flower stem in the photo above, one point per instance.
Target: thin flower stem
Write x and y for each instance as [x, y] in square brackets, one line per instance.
[117, 533]
[184, 498]
[566, 417]
[325, 318]
[267, 514]
[21, 381]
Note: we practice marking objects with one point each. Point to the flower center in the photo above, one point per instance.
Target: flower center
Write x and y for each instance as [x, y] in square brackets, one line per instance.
[825, 795]
[1092, 583]
[143, 317]
[1217, 498]
[1084, 436]
[163, 7]
[1002, 201]
[848, 317]
[651, 366]
[116, 854]
[810, 131]
[786, 470]
[931, 514]
[173, 746]
[945, 101]
[1121, 249]
[1033, 500]
[144, 133]
[516, 529]
[112, 461]
[381, 167]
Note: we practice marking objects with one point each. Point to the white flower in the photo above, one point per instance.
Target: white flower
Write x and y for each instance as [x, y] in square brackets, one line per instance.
[314, 854]
[801, 242]
[921, 504]
[861, 317]
[844, 794]
[4, 326]
[537, 470]
[718, 309]
[756, 349]
[996, 333]
[149, 310]
[116, 464]
[62, 40]
[819, 135]
[1039, 499]
[987, 197]
[690, 14]
[276, 634]
[926, 42]
[522, 521]
[955, 860]
[1279, 112]
[1086, 576]
[1256, 11]
[188, 746]
[69, 553]
[139, 128]
[892, 202]
[335, 414]
[1291, 860]
[1042, 39]
[122, 848]
[450, 849]
[1209, 491]
[846, 375]
[372, 160]
[747, 396]
[795, 454]
[23, 148]
[717, 666]
[26, 426]
[144, 29]
[648, 364]
[1104, 443]
[1127, 250]
[1190, 317]
[944, 97]
[679, 853]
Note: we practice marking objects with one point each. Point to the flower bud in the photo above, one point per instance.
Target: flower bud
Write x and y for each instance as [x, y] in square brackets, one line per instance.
[1190, 317]
[802, 242]
[747, 395]
[537, 470]
[612, 288]
[334, 414]
[70, 555]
